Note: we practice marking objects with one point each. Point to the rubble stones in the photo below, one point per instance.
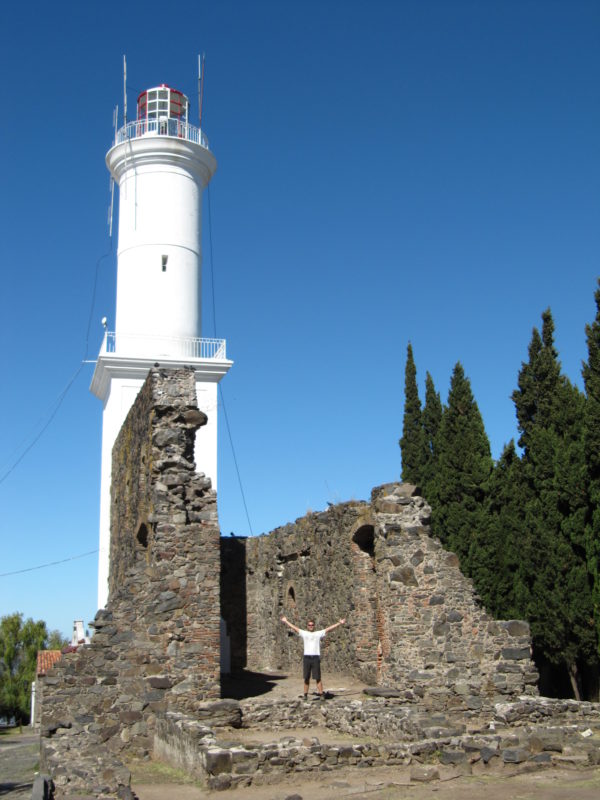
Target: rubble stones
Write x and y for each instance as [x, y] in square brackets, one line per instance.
[403, 735]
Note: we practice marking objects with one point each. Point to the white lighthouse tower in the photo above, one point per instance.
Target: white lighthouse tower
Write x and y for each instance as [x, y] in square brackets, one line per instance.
[161, 164]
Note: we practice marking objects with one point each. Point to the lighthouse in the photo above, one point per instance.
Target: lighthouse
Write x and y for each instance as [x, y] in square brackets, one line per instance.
[161, 164]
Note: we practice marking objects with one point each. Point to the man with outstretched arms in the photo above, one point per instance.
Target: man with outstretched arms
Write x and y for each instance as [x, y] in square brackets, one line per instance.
[312, 652]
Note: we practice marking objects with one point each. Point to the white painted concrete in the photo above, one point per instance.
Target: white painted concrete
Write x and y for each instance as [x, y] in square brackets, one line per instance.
[159, 254]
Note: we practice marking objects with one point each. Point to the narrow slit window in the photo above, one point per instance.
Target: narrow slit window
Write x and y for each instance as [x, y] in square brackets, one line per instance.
[164, 263]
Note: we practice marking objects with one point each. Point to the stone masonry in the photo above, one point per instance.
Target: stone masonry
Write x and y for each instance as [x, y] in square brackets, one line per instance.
[414, 621]
[415, 628]
[156, 645]
[530, 734]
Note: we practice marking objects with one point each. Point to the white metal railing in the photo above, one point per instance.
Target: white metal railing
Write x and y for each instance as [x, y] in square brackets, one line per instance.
[130, 344]
[161, 127]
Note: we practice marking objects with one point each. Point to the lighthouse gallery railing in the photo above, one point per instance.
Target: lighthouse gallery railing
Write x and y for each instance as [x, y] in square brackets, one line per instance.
[161, 127]
[185, 347]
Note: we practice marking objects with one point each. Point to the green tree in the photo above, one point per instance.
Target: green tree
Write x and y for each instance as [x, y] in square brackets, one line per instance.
[496, 554]
[556, 596]
[19, 644]
[56, 641]
[464, 465]
[591, 439]
[412, 443]
[432, 419]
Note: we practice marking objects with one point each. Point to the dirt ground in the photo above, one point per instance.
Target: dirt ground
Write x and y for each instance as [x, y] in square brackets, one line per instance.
[19, 754]
[393, 784]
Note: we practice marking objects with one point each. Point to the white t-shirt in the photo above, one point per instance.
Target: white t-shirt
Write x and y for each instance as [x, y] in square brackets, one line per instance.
[312, 641]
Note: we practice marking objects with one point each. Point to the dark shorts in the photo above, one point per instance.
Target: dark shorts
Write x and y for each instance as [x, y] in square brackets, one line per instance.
[312, 664]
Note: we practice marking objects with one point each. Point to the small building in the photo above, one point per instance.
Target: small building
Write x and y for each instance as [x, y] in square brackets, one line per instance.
[46, 659]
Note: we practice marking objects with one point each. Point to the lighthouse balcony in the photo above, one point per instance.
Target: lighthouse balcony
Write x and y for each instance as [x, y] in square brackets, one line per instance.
[127, 344]
[163, 126]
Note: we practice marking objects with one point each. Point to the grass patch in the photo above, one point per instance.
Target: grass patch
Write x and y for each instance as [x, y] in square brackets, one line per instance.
[158, 772]
[16, 731]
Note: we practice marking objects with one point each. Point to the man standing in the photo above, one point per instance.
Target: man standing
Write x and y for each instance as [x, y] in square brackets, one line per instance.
[312, 652]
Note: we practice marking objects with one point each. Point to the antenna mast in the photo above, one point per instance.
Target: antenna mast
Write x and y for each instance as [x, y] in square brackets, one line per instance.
[124, 90]
[112, 180]
[200, 87]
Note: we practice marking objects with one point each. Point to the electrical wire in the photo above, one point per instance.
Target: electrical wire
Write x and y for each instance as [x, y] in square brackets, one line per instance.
[59, 400]
[49, 564]
[237, 469]
[53, 409]
[221, 394]
[57, 404]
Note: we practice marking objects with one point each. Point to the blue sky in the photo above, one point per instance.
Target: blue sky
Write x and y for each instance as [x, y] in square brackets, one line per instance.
[388, 171]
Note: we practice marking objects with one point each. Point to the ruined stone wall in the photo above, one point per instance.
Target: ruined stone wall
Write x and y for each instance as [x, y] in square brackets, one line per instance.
[443, 646]
[301, 570]
[524, 736]
[414, 621]
[156, 645]
[164, 573]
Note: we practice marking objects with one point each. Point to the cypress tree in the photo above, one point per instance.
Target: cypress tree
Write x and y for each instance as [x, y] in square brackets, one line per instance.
[412, 443]
[464, 464]
[432, 419]
[591, 439]
[555, 592]
[496, 555]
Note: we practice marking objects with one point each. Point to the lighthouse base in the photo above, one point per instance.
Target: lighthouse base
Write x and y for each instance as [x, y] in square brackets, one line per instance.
[116, 382]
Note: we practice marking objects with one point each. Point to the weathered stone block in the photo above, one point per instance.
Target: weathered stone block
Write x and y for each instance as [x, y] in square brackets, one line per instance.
[452, 756]
[515, 653]
[160, 682]
[405, 575]
[488, 753]
[516, 627]
[217, 761]
[515, 755]
[423, 774]
[437, 600]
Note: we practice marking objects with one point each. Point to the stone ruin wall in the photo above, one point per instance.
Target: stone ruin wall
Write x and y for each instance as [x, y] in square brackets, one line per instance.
[414, 621]
[301, 569]
[156, 645]
[165, 555]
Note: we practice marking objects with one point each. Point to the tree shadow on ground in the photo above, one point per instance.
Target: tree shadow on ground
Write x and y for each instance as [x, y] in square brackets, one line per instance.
[11, 788]
[244, 683]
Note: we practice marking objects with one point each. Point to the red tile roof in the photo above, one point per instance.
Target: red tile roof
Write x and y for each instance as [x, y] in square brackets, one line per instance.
[46, 659]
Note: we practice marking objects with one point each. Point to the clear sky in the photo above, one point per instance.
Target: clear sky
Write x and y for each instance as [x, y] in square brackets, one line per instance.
[388, 171]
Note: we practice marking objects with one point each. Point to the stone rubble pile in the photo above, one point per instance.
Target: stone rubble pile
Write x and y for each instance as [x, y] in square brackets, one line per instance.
[531, 733]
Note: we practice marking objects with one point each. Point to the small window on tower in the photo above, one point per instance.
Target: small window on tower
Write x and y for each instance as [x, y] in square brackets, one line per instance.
[164, 263]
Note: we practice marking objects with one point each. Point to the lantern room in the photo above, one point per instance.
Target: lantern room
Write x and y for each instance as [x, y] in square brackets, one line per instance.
[162, 102]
